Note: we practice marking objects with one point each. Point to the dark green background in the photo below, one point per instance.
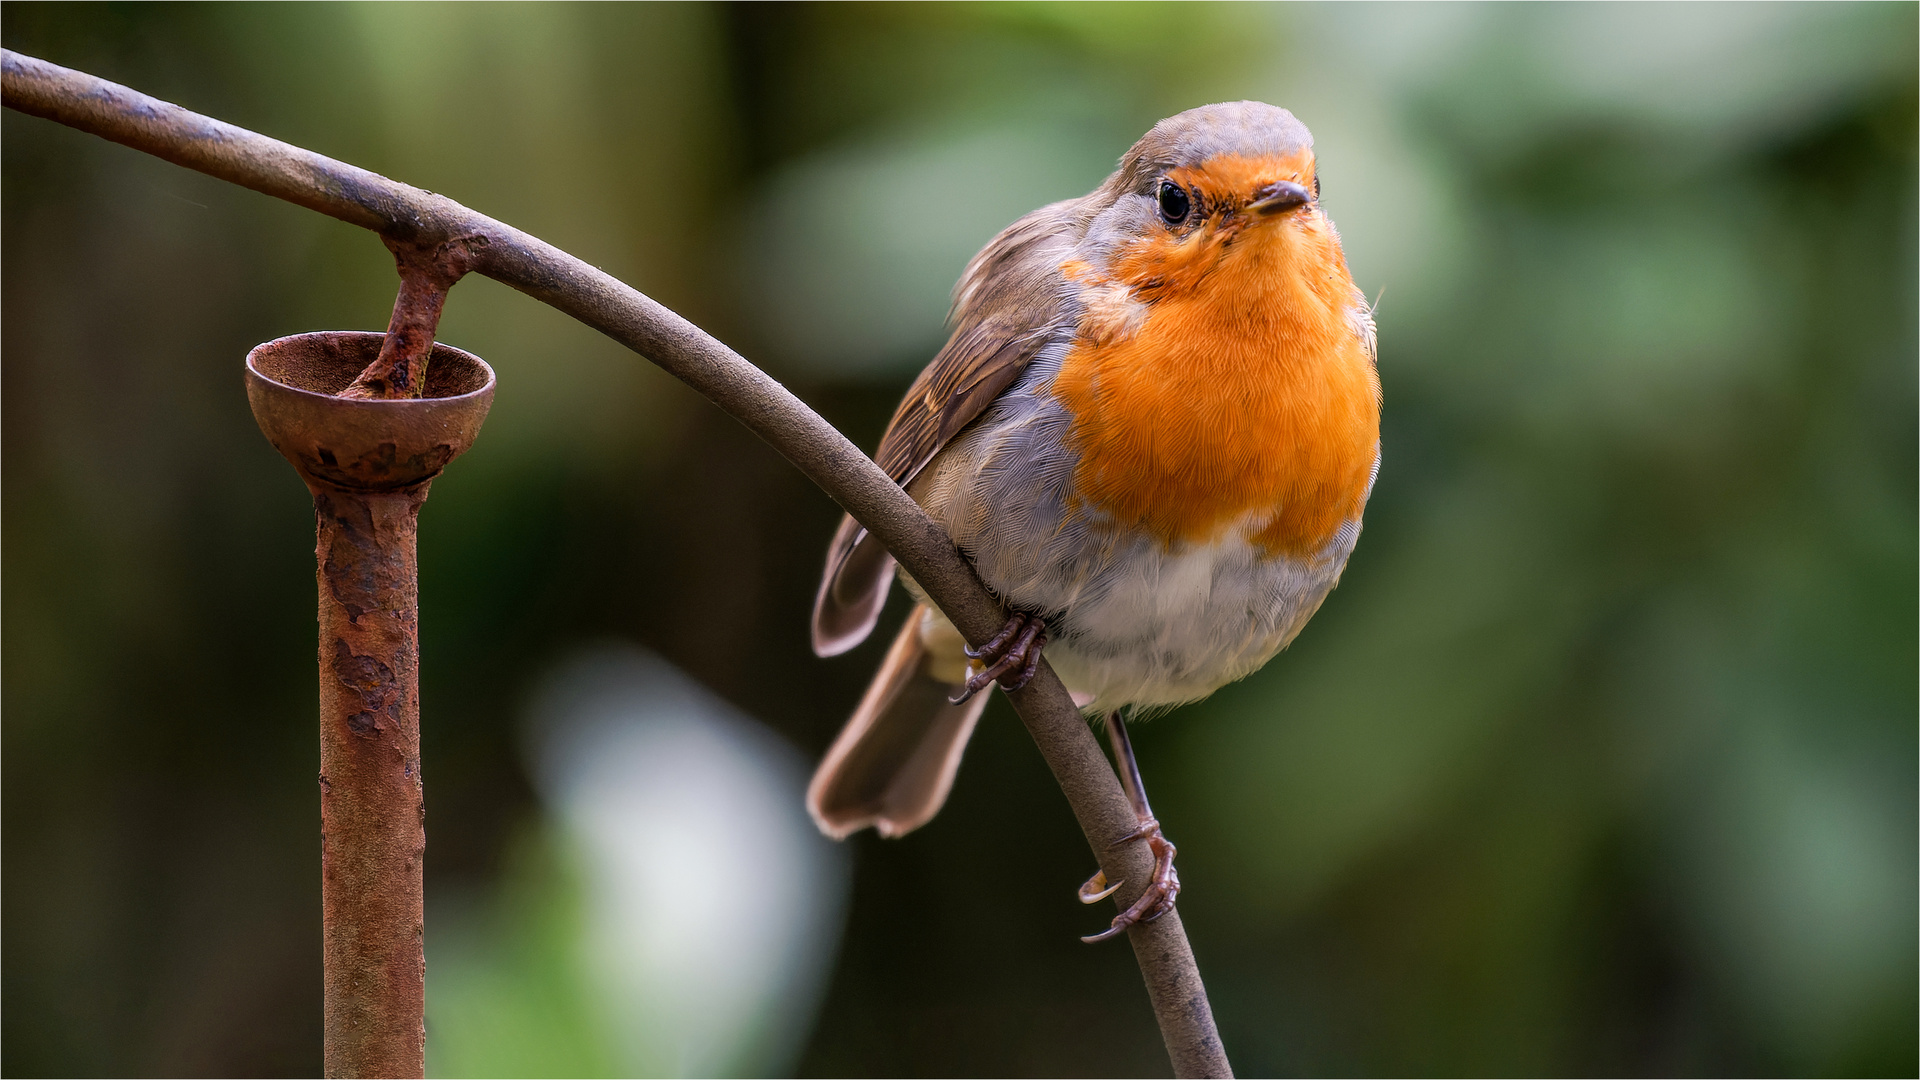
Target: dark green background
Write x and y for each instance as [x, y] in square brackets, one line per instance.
[1602, 760]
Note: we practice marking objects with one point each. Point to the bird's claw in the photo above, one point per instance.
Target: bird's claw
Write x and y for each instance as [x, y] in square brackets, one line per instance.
[1096, 888]
[1010, 657]
[1161, 890]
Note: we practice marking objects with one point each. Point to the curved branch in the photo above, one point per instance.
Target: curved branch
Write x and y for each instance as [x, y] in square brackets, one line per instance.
[409, 215]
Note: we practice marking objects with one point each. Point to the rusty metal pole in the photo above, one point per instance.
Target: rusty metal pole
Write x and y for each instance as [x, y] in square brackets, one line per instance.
[368, 464]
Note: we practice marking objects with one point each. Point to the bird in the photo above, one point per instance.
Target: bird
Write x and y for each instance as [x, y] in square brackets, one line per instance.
[1152, 430]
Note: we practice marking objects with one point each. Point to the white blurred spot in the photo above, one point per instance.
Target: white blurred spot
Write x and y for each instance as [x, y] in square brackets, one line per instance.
[712, 905]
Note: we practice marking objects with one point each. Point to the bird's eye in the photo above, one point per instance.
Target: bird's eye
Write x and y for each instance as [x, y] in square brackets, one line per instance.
[1173, 202]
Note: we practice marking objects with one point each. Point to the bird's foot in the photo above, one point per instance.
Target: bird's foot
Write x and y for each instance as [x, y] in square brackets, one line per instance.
[1010, 657]
[1162, 889]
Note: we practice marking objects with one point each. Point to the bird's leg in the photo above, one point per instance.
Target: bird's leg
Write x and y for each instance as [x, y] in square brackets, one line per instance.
[1164, 886]
[1010, 657]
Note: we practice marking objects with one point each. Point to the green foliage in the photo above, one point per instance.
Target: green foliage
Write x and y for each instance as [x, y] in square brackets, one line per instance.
[510, 994]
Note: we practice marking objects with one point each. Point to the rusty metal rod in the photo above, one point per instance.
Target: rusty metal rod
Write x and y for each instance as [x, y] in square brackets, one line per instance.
[368, 463]
[403, 213]
[373, 807]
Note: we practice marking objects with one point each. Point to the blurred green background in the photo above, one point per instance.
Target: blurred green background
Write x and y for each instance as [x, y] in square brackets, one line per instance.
[1601, 761]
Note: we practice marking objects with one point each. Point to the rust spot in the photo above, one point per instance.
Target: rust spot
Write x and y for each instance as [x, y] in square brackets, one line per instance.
[374, 683]
[366, 675]
[384, 468]
[355, 565]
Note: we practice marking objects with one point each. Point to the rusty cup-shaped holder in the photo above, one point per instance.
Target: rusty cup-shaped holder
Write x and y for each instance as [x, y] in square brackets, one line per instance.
[368, 464]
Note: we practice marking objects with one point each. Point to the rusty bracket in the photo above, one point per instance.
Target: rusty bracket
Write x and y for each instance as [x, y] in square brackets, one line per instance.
[427, 271]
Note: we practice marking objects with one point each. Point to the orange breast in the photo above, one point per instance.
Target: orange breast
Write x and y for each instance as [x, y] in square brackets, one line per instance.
[1241, 394]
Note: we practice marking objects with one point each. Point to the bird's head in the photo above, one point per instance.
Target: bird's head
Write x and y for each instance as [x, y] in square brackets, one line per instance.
[1230, 184]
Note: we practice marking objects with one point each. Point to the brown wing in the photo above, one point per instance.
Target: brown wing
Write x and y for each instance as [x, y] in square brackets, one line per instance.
[979, 362]
[1010, 302]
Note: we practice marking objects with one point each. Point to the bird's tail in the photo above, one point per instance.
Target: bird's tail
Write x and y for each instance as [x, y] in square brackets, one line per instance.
[894, 762]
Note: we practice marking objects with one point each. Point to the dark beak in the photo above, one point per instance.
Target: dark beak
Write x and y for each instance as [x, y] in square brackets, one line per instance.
[1279, 197]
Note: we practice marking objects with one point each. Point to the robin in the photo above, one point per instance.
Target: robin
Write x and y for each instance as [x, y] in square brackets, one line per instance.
[1152, 431]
